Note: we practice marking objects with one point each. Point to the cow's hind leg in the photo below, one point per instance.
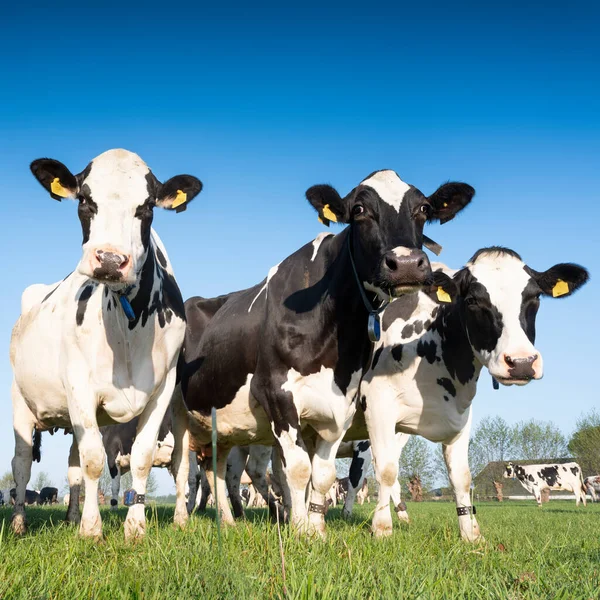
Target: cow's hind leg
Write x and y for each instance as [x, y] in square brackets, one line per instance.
[75, 480]
[180, 464]
[220, 494]
[361, 461]
[23, 424]
[236, 463]
[115, 485]
[258, 461]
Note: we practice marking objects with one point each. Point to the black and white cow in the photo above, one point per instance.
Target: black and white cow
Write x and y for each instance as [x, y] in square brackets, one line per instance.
[101, 346]
[537, 478]
[424, 372]
[118, 441]
[31, 496]
[48, 495]
[592, 485]
[289, 353]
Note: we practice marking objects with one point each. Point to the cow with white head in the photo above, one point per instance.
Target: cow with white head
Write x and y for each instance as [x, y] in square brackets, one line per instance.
[101, 346]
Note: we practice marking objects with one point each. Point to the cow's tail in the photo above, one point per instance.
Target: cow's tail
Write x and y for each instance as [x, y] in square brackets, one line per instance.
[584, 489]
[37, 445]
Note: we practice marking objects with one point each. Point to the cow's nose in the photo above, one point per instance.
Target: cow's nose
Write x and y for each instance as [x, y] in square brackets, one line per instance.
[410, 268]
[521, 367]
[110, 265]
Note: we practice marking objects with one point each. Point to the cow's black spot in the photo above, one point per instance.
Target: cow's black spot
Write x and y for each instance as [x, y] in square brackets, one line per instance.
[402, 308]
[86, 211]
[549, 475]
[363, 402]
[376, 357]
[446, 398]
[574, 470]
[82, 303]
[407, 330]
[356, 467]
[564, 468]
[161, 257]
[397, 352]
[427, 350]
[447, 385]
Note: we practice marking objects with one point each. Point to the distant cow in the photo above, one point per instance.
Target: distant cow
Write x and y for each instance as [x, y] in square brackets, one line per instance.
[592, 485]
[31, 496]
[363, 493]
[48, 495]
[536, 478]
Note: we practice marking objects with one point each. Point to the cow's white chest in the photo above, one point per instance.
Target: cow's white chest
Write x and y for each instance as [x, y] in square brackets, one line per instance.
[321, 403]
[100, 360]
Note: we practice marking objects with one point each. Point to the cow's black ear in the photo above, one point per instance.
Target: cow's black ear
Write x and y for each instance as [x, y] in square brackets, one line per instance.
[444, 289]
[560, 280]
[55, 177]
[328, 203]
[449, 199]
[176, 193]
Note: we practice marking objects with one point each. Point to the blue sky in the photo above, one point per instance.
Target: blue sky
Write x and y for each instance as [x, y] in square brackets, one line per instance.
[261, 103]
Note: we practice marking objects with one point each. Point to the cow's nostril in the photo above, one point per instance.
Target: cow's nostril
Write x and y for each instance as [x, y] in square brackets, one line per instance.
[124, 262]
[509, 361]
[391, 263]
[422, 263]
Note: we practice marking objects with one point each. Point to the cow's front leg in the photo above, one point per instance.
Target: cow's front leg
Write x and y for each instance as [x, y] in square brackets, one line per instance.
[75, 480]
[399, 506]
[361, 461]
[142, 456]
[456, 456]
[323, 477]
[382, 431]
[23, 424]
[180, 464]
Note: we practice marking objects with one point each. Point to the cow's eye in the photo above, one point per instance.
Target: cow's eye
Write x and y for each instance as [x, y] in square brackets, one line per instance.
[426, 210]
[82, 200]
[470, 301]
[357, 210]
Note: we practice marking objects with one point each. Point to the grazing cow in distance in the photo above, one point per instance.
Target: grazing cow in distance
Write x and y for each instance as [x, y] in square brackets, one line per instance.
[424, 372]
[48, 495]
[100, 347]
[537, 478]
[592, 485]
[289, 353]
[31, 496]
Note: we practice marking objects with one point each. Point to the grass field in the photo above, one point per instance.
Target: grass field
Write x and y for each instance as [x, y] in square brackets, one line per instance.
[529, 553]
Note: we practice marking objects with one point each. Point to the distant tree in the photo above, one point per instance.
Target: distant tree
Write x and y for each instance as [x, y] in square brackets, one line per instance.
[416, 461]
[7, 481]
[492, 440]
[42, 480]
[538, 440]
[439, 467]
[585, 443]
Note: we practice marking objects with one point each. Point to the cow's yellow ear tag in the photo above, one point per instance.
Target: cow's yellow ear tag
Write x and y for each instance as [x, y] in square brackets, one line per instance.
[445, 205]
[179, 199]
[443, 295]
[560, 288]
[59, 190]
[329, 214]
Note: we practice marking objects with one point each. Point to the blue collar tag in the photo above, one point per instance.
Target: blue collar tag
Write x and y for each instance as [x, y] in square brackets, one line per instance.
[127, 309]
[374, 327]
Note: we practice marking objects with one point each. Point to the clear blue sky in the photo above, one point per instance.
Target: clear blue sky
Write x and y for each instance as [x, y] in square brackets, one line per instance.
[260, 104]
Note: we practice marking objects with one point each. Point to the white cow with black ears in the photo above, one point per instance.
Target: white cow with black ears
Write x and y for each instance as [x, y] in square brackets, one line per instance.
[425, 368]
[101, 346]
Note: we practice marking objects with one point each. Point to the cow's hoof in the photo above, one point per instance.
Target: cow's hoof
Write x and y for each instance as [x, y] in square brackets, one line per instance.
[346, 514]
[134, 530]
[180, 520]
[93, 532]
[382, 531]
[403, 516]
[18, 524]
[73, 518]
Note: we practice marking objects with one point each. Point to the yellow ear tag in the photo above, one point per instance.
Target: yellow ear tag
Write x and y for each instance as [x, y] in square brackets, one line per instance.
[328, 214]
[179, 199]
[59, 190]
[560, 288]
[443, 295]
[445, 205]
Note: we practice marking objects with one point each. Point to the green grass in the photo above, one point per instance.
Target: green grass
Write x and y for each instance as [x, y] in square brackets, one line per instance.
[528, 553]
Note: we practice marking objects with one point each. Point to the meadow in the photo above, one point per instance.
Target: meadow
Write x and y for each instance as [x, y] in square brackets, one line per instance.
[553, 552]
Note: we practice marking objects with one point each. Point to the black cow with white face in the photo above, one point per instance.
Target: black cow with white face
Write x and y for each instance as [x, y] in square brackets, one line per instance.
[425, 369]
[289, 353]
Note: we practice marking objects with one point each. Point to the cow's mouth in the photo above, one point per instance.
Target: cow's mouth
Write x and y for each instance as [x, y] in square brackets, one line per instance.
[513, 380]
[403, 289]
